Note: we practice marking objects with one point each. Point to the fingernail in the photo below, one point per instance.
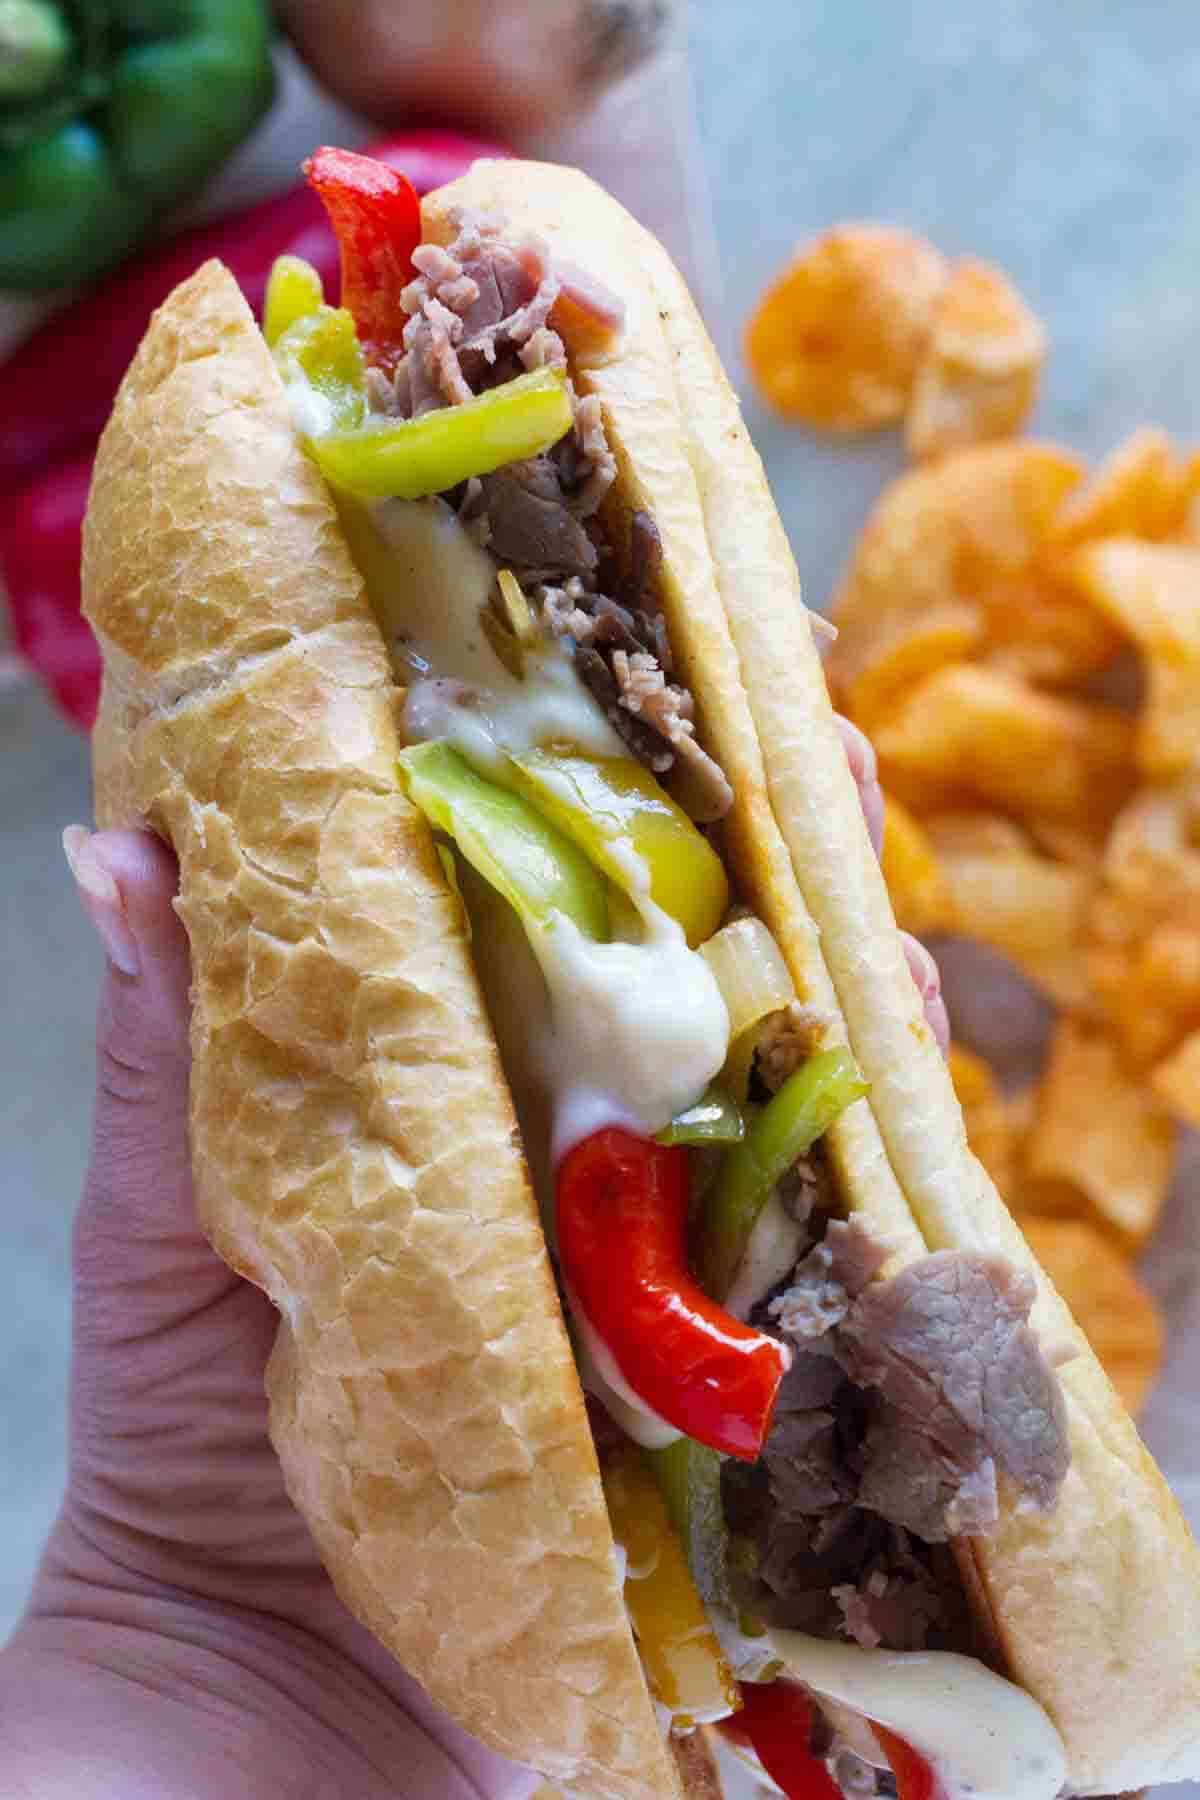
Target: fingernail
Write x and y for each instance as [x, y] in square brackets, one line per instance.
[925, 970]
[860, 753]
[101, 900]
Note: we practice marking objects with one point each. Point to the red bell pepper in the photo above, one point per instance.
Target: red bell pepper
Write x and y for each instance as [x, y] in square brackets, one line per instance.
[40, 528]
[376, 218]
[58, 386]
[622, 1239]
[915, 1779]
[776, 1721]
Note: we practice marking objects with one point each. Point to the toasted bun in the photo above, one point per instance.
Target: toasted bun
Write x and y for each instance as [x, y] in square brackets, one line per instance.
[352, 1133]
[354, 1146]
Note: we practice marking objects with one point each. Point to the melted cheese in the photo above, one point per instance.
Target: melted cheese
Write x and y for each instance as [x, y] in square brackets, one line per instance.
[986, 1738]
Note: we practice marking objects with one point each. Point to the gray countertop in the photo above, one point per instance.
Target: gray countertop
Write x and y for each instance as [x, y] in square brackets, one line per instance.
[1059, 141]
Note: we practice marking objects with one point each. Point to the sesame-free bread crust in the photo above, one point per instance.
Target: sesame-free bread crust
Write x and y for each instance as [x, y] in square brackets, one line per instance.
[353, 1140]
[1097, 1605]
[354, 1146]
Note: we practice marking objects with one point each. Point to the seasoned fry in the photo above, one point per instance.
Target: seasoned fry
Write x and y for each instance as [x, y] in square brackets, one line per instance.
[1118, 1315]
[973, 733]
[835, 339]
[1002, 893]
[978, 378]
[1100, 1133]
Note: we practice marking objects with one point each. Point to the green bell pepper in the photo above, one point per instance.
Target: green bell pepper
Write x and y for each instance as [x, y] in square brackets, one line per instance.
[408, 459]
[110, 112]
[786, 1128]
[293, 292]
[321, 348]
[715, 1119]
[614, 809]
[538, 871]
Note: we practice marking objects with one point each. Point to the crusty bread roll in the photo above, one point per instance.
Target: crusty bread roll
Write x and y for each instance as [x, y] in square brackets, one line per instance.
[354, 1143]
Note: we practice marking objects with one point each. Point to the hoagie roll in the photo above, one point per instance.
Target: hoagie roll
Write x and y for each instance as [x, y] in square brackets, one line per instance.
[653, 1354]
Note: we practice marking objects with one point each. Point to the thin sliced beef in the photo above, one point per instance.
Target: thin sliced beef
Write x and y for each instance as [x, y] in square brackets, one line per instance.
[530, 528]
[828, 1279]
[788, 1038]
[903, 1398]
[947, 1348]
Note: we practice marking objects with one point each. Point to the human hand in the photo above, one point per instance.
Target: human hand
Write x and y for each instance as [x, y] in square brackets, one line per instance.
[182, 1637]
[861, 756]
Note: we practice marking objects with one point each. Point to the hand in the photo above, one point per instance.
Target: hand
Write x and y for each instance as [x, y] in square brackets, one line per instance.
[182, 1637]
[861, 757]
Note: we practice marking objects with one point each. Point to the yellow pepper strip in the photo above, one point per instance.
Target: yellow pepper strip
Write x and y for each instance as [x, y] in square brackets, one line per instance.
[621, 818]
[293, 291]
[408, 459]
[322, 349]
[680, 1652]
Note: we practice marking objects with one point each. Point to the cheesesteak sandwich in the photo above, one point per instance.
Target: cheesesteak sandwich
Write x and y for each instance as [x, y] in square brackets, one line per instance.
[662, 1380]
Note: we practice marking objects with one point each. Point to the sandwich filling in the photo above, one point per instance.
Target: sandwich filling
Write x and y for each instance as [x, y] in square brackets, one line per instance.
[790, 1429]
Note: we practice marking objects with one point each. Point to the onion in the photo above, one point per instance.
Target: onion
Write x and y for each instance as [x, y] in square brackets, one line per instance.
[754, 981]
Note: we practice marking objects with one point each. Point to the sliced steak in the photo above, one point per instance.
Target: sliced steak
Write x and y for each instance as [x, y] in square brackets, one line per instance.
[961, 1380]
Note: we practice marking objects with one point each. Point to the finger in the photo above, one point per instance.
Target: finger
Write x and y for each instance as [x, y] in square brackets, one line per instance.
[929, 986]
[138, 1251]
[860, 754]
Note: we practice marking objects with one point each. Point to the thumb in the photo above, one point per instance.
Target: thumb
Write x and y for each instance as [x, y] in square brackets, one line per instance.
[136, 1240]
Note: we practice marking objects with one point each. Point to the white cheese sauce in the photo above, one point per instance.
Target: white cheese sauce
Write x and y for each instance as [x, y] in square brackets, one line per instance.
[986, 1738]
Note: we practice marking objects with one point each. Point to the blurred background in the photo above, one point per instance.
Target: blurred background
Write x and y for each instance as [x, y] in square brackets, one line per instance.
[1058, 143]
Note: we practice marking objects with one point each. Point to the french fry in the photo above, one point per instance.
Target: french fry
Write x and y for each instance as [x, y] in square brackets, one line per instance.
[978, 377]
[1151, 592]
[1138, 491]
[973, 733]
[910, 868]
[1006, 895]
[1099, 1133]
[835, 339]
[1117, 1315]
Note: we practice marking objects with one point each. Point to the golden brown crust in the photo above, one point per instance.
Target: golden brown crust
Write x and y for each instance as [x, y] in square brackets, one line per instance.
[1098, 1606]
[354, 1145]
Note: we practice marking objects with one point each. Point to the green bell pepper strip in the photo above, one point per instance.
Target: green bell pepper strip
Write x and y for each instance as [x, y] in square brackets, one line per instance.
[35, 43]
[408, 459]
[689, 1476]
[321, 348]
[146, 100]
[614, 809]
[786, 1128]
[293, 292]
[538, 871]
[714, 1119]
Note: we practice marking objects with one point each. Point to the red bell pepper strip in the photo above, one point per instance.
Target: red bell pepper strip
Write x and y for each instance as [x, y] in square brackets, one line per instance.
[915, 1779]
[622, 1240]
[40, 528]
[59, 384]
[376, 218]
[776, 1721]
